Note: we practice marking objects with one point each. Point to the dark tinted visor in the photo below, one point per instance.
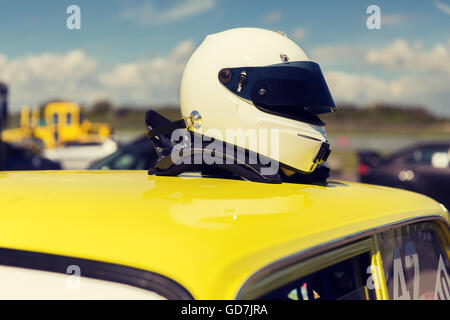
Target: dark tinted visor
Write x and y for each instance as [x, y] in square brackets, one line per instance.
[295, 89]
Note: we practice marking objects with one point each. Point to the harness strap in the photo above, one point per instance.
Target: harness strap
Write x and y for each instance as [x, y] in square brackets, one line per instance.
[166, 129]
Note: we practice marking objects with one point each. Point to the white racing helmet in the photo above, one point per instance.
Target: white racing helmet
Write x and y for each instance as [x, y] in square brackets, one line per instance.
[252, 79]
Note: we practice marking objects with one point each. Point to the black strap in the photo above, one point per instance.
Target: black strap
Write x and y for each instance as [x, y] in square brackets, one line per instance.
[156, 124]
[318, 176]
[250, 172]
[165, 129]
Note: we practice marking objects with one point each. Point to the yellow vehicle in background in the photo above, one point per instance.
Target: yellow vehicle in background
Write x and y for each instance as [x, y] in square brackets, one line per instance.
[60, 122]
[60, 133]
[127, 235]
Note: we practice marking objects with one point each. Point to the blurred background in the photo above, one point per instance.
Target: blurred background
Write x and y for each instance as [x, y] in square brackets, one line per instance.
[85, 91]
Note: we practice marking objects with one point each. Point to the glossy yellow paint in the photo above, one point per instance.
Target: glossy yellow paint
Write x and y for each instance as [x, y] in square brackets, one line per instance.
[209, 235]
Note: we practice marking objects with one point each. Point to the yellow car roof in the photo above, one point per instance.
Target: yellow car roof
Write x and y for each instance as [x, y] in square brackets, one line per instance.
[209, 235]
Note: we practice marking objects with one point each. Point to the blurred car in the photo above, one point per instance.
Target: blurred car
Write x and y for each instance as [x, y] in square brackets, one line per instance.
[75, 155]
[136, 155]
[423, 168]
[15, 158]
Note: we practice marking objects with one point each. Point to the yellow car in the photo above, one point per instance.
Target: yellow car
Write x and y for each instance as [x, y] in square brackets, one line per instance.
[127, 235]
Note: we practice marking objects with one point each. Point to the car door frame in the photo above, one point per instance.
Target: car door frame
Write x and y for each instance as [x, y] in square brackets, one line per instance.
[270, 280]
[306, 262]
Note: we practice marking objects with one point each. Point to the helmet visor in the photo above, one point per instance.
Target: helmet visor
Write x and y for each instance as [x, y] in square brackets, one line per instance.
[295, 89]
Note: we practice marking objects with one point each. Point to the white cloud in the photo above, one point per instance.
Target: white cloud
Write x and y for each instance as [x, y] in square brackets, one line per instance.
[272, 17]
[422, 78]
[3, 59]
[336, 54]
[35, 78]
[430, 91]
[299, 34]
[151, 80]
[352, 87]
[423, 74]
[400, 55]
[443, 7]
[146, 13]
[391, 19]
[75, 76]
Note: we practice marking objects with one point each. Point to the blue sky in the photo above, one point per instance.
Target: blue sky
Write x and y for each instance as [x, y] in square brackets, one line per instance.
[128, 39]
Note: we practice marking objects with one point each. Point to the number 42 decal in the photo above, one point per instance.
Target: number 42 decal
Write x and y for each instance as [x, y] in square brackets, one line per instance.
[442, 288]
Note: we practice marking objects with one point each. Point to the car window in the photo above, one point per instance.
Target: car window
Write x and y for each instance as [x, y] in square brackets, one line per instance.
[131, 158]
[415, 262]
[29, 284]
[119, 160]
[124, 161]
[34, 275]
[127, 161]
[430, 152]
[345, 280]
[436, 156]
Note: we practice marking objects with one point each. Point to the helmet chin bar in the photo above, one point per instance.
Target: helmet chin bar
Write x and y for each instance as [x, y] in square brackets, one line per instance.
[160, 129]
